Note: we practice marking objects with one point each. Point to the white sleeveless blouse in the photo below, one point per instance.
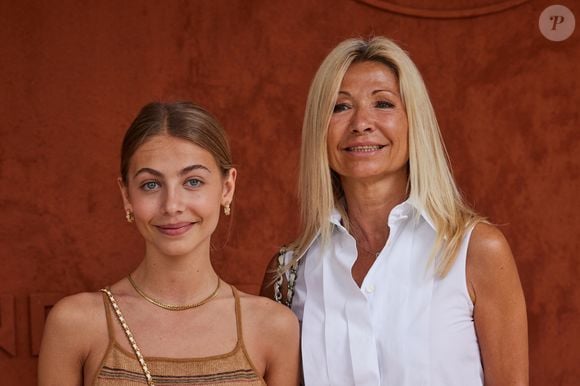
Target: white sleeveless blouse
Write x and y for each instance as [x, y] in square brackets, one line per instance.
[402, 327]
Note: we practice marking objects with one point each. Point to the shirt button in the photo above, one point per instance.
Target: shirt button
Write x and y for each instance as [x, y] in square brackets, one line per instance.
[369, 289]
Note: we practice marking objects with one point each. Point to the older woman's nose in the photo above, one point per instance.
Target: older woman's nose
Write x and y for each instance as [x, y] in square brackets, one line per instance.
[361, 121]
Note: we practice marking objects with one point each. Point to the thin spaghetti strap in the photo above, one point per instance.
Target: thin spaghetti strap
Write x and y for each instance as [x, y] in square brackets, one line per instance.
[110, 329]
[240, 343]
[238, 315]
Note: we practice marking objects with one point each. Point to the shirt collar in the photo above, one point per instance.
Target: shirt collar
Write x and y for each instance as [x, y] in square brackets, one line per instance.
[404, 210]
[422, 212]
[335, 217]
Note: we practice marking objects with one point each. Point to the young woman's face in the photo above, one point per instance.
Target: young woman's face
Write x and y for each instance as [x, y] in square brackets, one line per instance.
[367, 135]
[175, 191]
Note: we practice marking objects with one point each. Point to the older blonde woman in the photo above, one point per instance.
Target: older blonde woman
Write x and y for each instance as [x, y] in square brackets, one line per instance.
[395, 279]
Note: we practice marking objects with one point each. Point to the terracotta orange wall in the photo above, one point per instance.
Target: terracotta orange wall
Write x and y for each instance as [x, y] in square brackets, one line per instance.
[73, 74]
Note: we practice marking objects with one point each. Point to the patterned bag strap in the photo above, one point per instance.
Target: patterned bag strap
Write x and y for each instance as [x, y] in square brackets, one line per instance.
[292, 276]
[129, 335]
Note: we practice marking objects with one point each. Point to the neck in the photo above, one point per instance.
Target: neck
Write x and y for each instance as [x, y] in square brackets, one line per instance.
[369, 203]
[176, 279]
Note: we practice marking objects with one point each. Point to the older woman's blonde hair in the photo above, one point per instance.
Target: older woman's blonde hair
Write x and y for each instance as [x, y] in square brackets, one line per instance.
[430, 186]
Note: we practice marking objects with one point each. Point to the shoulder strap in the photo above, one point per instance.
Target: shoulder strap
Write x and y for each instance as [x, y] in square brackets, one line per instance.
[110, 329]
[129, 335]
[238, 309]
[240, 343]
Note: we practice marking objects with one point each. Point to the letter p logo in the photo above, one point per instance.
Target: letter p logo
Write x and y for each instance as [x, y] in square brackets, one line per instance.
[557, 23]
[556, 20]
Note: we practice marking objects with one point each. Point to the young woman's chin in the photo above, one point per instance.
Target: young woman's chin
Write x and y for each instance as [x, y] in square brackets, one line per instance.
[179, 248]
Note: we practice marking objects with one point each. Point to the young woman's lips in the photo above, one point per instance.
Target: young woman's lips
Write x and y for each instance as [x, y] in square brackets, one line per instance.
[175, 229]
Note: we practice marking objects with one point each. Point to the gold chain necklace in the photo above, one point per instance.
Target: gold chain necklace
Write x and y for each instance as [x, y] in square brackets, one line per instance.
[173, 307]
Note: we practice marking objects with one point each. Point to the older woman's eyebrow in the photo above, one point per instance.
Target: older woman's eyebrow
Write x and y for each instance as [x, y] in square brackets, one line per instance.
[342, 92]
[384, 90]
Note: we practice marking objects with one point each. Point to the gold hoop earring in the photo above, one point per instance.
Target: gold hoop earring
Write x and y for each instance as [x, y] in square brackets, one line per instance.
[227, 209]
[129, 216]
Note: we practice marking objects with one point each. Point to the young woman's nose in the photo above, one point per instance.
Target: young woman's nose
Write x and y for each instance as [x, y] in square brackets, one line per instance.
[173, 202]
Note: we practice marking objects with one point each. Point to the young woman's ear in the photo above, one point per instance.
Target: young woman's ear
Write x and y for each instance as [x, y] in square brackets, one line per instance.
[125, 195]
[229, 187]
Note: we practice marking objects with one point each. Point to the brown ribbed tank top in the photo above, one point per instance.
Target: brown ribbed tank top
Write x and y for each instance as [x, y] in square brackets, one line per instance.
[120, 367]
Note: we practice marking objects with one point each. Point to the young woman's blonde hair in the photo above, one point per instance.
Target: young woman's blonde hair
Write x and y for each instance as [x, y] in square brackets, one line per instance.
[430, 186]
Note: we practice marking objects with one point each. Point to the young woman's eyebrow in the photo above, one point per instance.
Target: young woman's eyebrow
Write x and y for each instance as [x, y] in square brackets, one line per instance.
[148, 170]
[194, 167]
[181, 173]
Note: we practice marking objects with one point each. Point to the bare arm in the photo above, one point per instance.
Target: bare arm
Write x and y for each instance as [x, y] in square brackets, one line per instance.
[64, 344]
[283, 367]
[500, 310]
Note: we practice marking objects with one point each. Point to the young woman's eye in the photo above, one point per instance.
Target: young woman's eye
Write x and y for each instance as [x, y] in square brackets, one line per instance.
[193, 183]
[150, 185]
[384, 105]
[339, 107]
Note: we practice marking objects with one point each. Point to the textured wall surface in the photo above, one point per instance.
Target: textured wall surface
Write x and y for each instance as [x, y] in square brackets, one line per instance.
[73, 74]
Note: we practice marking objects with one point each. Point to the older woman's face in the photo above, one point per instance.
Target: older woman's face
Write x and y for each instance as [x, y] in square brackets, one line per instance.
[367, 135]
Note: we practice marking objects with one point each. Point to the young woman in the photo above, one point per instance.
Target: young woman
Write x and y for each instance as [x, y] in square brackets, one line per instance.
[172, 321]
[395, 279]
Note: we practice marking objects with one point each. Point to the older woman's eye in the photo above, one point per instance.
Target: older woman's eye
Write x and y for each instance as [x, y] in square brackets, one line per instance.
[339, 107]
[150, 185]
[384, 105]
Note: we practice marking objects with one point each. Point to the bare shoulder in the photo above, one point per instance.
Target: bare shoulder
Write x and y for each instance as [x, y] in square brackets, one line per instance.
[500, 310]
[270, 316]
[488, 248]
[490, 263]
[84, 310]
[78, 307]
[487, 238]
[73, 326]
[272, 336]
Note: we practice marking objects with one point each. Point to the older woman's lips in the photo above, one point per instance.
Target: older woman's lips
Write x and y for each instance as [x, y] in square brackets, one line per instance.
[364, 148]
[175, 229]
